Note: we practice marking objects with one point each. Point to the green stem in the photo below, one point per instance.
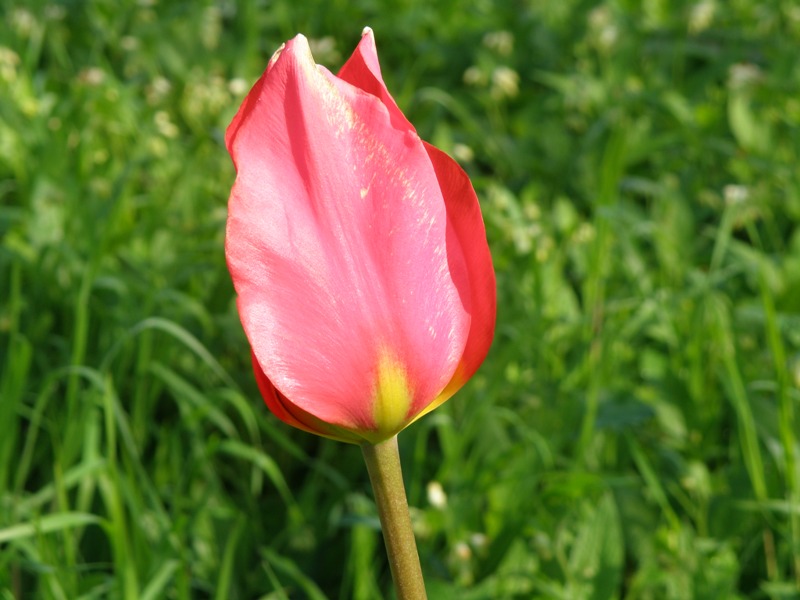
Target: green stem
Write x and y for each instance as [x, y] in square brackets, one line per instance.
[386, 476]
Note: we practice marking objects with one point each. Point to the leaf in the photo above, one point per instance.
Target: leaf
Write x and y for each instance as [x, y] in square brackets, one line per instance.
[49, 524]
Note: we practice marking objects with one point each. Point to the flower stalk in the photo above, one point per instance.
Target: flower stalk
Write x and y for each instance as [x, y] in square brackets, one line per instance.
[386, 476]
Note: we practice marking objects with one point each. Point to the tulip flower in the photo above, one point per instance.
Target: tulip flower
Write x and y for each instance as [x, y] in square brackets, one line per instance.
[357, 251]
[359, 257]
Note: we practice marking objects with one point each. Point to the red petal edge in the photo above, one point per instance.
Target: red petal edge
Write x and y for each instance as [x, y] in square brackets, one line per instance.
[464, 215]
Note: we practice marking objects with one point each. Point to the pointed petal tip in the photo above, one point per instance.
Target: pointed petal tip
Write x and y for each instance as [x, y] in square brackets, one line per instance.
[301, 41]
[299, 47]
[367, 42]
[298, 39]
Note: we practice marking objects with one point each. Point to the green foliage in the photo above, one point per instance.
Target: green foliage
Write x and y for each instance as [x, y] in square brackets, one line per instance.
[632, 433]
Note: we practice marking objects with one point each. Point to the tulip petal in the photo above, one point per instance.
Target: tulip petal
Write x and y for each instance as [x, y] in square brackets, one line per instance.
[464, 215]
[463, 210]
[363, 71]
[341, 249]
[282, 408]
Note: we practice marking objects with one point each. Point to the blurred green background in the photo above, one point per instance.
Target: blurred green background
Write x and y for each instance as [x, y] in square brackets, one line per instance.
[632, 433]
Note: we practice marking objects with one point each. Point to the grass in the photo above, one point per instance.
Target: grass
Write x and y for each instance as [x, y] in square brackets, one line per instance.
[633, 431]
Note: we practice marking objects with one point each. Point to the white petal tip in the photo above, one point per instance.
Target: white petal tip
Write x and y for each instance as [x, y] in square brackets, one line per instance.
[366, 31]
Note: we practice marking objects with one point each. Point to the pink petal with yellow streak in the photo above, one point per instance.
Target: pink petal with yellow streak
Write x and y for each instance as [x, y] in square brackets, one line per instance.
[463, 212]
[340, 245]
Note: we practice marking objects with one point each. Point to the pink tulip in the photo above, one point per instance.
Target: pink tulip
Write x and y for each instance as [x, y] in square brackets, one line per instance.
[358, 251]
